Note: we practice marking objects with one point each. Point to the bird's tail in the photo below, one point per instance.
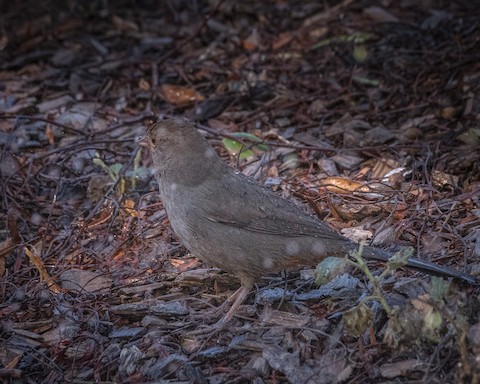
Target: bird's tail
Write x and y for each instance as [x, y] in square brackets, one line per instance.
[383, 255]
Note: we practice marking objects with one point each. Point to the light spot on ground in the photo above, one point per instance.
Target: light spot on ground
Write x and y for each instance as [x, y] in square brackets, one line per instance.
[293, 248]
[36, 219]
[173, 187]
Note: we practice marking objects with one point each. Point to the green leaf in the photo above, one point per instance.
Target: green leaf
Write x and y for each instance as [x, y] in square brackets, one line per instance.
[360, 53]
[141, 173]
[235, 148]
[136, 166]
[357, 319]
[113, 175]
[115, 169]
[470, 137]
[329, 268]
[366, 81]
[356, 38]
[439, 289]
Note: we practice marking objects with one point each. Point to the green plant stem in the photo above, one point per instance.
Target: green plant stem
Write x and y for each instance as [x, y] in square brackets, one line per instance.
[378, 294]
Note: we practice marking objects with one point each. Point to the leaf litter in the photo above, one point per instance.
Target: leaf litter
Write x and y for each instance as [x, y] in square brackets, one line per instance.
[367, 115]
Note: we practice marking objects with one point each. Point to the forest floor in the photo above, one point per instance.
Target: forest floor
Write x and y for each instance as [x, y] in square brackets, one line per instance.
[366, 112]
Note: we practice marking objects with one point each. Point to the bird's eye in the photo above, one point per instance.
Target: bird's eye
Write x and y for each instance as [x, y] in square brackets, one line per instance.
[151, 133]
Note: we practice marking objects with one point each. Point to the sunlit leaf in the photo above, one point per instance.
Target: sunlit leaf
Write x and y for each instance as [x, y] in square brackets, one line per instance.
[235, 147]
[179, 95]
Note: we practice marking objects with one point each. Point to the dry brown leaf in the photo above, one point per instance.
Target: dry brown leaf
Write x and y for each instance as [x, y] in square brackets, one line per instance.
[248, 45]
[124, 24]
[357, 234]
[119, 253]
[82, 279]
[252, 41]
[179, 95]
[343, 186]
[13, 363]
[448, 112]
[467, 219]
[182, 265]
[103, 217]
[38, 263]
[440, 179]
[3, 42]
[401, 368]
[272, 171]
[383, 167]
[57, 102]
[348, 212]
[2, 266]
[432, 242]
[282, 40]
[421, 303]
[379, 15]
[144, 85]
[282, 318]
[6, 246]
[401, 211]
[129, 206]
[49, 134]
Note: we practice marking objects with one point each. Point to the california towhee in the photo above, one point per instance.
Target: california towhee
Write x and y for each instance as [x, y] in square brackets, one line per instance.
[231, 222]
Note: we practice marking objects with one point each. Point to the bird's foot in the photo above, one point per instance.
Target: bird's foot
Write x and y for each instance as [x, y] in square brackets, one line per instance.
[209, 330]
[234, 302]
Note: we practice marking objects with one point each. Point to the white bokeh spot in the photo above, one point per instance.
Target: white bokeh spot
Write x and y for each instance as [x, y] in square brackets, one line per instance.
[36, 219]
[318, 247]
[268, 263]
[293, 248]
[209, 153]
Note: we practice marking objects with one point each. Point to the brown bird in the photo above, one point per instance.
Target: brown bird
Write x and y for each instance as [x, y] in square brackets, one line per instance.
[229, 221]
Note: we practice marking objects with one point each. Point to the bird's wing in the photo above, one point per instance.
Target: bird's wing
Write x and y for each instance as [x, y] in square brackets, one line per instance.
[257, 209]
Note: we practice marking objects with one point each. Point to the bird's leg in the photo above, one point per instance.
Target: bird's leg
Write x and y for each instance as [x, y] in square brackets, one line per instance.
[228, 302]
[220, 310]
[236, 299]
